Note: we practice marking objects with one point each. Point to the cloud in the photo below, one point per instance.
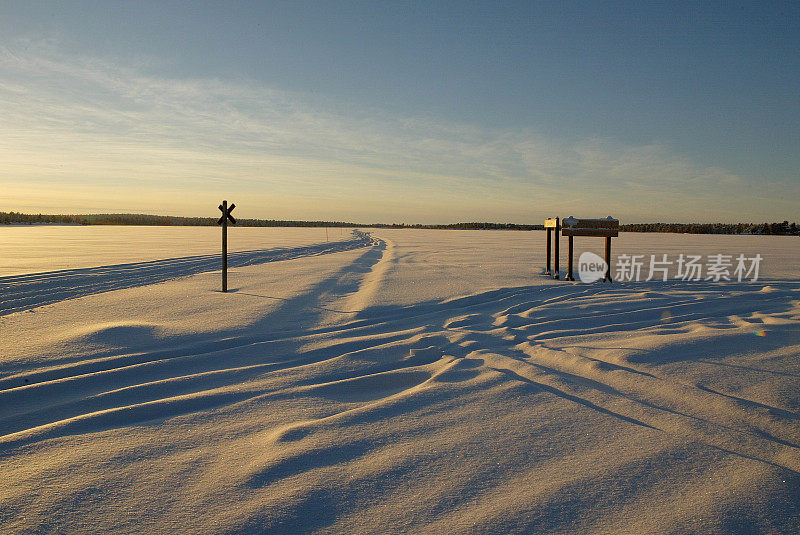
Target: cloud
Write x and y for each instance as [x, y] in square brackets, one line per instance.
[92, 126]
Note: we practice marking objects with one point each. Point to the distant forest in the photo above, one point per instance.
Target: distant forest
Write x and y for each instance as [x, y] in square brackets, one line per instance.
[6, 218]
[768, 229]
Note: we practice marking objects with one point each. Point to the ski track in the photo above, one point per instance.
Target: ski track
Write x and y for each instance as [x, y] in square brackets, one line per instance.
[548, 338]
[23, 292]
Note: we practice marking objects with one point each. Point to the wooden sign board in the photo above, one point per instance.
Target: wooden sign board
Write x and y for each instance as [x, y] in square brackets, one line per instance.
[572, 226]
[602, 228]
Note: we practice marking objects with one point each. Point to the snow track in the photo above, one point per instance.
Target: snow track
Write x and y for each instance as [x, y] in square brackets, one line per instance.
[22, 292]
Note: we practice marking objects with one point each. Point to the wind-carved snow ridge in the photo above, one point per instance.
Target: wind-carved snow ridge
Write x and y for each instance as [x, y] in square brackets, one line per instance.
[23, 292]
[407, 386]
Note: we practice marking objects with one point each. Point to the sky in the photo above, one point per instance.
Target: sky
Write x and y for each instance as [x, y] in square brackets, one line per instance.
[415, 112]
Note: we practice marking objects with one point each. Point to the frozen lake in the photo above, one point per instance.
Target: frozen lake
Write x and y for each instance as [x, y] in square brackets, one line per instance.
[409, 381]
[39, 248]
[36, 248]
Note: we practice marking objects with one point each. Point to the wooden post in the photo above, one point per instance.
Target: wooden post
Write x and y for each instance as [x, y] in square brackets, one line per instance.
[549, 233]
[569, 276]
[555, 270]
[224, 247]
[226, 216]
[608, 260]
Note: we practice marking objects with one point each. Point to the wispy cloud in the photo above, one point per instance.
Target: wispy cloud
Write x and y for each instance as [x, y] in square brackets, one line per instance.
[105, 136]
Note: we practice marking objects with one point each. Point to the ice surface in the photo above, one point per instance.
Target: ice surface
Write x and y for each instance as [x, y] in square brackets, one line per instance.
[38, 248]
[422, 381]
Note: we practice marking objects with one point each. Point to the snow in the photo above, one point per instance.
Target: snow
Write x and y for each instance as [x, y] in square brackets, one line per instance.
[38, 248]
[418, 381]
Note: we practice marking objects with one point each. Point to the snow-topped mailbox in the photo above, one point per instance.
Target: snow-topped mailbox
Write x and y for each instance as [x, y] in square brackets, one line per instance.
[571, 226]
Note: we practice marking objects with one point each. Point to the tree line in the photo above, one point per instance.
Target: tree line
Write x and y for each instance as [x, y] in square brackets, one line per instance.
[782, 229]
[159, 220]
[153, 220]
[773, 229]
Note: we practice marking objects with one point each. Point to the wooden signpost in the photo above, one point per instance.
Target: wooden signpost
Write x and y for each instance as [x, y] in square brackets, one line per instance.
[550, 225]
[605, 228]
[226, 216]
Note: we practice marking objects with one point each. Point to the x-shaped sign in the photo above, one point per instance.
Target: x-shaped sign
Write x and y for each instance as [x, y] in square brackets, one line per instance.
[226, 212]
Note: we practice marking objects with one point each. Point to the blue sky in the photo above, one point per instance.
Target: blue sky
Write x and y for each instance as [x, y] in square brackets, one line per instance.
[403, 112]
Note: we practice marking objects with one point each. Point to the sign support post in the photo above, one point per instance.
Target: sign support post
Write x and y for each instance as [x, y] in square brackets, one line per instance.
[226, 216]
[569, 276]
[547, 270]
[551, 225]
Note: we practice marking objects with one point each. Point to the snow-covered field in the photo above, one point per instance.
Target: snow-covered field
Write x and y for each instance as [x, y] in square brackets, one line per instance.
[411, 381]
